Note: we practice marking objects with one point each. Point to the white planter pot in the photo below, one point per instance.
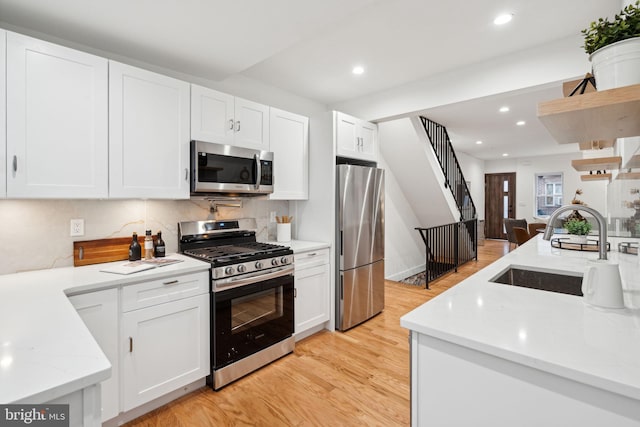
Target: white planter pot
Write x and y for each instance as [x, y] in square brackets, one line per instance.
[617, 64]
[580, 240]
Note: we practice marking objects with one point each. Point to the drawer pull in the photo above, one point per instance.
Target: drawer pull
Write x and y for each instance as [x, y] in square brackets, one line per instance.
[173, 282]
[313, 254]
[130, 344]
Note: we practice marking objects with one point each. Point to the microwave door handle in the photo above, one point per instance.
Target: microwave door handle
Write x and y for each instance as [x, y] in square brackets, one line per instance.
[258, 171]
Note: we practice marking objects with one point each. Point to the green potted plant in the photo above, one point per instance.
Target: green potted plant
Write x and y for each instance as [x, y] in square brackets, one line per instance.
[579, 229]
[614, 48]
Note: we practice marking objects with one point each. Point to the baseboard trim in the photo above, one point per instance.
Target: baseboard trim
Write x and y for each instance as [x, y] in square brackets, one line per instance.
[406, 273]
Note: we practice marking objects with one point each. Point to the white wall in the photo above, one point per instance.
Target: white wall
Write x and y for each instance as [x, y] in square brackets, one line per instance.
[473, 171]
[594, 192]
[404, 250]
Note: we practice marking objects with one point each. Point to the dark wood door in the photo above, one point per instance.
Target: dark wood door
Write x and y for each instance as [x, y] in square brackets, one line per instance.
[499, 203]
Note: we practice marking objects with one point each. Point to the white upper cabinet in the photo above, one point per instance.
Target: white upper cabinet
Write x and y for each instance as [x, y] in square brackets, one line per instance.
[355, 138]
[148, 134]
[289, 141]
[3, 114]
[56, 130]
[212, 115]
[221, 118]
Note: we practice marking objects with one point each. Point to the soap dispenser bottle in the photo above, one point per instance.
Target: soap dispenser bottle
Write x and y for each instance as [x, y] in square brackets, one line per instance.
[159, 246]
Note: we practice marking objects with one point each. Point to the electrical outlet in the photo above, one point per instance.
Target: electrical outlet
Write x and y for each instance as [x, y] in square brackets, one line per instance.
[272, 216]
[76, 227]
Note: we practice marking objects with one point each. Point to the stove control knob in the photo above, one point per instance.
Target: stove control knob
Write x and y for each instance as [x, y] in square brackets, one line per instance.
[258, 265]
[242, 268]
[284, 260]
[228, 270]
[274, 261]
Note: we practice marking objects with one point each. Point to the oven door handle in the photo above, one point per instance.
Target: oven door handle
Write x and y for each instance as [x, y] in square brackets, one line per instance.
[247, 279]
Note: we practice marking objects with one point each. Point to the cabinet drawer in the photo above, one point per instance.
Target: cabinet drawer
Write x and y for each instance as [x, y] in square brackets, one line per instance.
[311, 258]
[163, 290]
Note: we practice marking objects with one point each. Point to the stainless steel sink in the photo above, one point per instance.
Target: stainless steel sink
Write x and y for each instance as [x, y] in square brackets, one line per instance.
[559, 282]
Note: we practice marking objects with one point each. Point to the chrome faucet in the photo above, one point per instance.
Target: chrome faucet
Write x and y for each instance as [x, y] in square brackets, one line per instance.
[602, 226]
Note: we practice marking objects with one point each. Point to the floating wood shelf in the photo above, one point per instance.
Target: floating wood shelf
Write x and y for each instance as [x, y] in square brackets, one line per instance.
[596, 177]
[597, 144]
[597, 164]
[628, 175]
[605, 114]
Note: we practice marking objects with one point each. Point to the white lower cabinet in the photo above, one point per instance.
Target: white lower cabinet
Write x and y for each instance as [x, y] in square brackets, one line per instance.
[99, 311]
[312, 290]
[164, 346]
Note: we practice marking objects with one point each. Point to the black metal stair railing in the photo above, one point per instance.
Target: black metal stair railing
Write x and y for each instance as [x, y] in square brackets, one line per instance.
[454, 179]
[449, 246]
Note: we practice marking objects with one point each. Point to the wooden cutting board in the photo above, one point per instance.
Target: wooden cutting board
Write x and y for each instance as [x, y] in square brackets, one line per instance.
[87, 252]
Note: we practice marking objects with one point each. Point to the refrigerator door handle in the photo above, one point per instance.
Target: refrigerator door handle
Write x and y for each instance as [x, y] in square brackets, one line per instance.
[341, 243]
[341, 287]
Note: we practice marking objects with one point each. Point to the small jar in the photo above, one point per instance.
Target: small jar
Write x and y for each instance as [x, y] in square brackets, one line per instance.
[148, 245]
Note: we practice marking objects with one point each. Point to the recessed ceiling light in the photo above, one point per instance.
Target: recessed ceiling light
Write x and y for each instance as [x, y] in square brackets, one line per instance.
[503, 19]
[504, 109]
[521, 123]
[505, 154]
[357, 70]
[478, 142]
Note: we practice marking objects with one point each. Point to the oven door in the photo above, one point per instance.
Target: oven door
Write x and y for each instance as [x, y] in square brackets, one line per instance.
[251, 317]
[217, 168]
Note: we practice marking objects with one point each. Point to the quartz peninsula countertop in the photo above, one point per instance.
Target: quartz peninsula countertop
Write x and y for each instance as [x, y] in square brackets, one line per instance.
[552, 332]
[46, 351]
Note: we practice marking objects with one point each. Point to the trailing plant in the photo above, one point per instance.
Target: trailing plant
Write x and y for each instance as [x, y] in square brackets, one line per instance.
[603, 32]
[578, 227]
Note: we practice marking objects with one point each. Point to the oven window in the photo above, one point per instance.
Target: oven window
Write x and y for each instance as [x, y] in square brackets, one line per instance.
[226, 169]
[252, 310]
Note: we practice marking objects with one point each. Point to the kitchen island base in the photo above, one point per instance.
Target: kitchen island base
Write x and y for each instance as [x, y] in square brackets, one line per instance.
[452, 385]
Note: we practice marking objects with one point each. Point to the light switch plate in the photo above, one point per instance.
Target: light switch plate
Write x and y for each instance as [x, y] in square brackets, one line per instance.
[76, 227]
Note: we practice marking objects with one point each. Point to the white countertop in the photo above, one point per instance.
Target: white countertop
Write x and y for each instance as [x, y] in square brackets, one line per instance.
[302, 245]
[45, 349]
[552, 332]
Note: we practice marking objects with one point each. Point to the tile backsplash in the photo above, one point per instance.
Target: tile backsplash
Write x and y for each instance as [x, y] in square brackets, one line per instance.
[35, 233]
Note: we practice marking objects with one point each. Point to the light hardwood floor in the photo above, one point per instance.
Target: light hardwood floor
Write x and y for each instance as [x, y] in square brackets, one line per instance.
[360, 377]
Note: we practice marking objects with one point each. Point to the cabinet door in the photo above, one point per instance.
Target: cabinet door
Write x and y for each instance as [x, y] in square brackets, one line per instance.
[99, 311]
[368, 141]
[251, 125]
[148, 134]
[212, 115]
[347, 143]
[289, 142]
[3, 115]
[165, 347]
[56, 121]
[312, 297]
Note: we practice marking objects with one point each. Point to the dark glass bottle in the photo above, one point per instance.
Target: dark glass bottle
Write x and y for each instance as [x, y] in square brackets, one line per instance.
[135, 250]
[159, 246]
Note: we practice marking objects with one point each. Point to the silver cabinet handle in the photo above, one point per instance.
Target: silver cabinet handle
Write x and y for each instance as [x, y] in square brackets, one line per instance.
[186, 174]
[238, 126]
[15, 164]
[173, 282]
[130, 344]
[230, 124]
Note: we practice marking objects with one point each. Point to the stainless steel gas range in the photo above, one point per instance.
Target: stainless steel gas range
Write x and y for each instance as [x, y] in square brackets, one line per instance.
[252, 320]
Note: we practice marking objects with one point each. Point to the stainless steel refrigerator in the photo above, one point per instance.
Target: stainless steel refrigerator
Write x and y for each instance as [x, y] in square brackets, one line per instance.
[360, 251]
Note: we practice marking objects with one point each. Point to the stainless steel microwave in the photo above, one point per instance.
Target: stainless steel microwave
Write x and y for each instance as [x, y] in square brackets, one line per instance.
[228, 170]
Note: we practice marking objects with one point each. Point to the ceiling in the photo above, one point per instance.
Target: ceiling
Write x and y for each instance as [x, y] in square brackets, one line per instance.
[309, 47]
